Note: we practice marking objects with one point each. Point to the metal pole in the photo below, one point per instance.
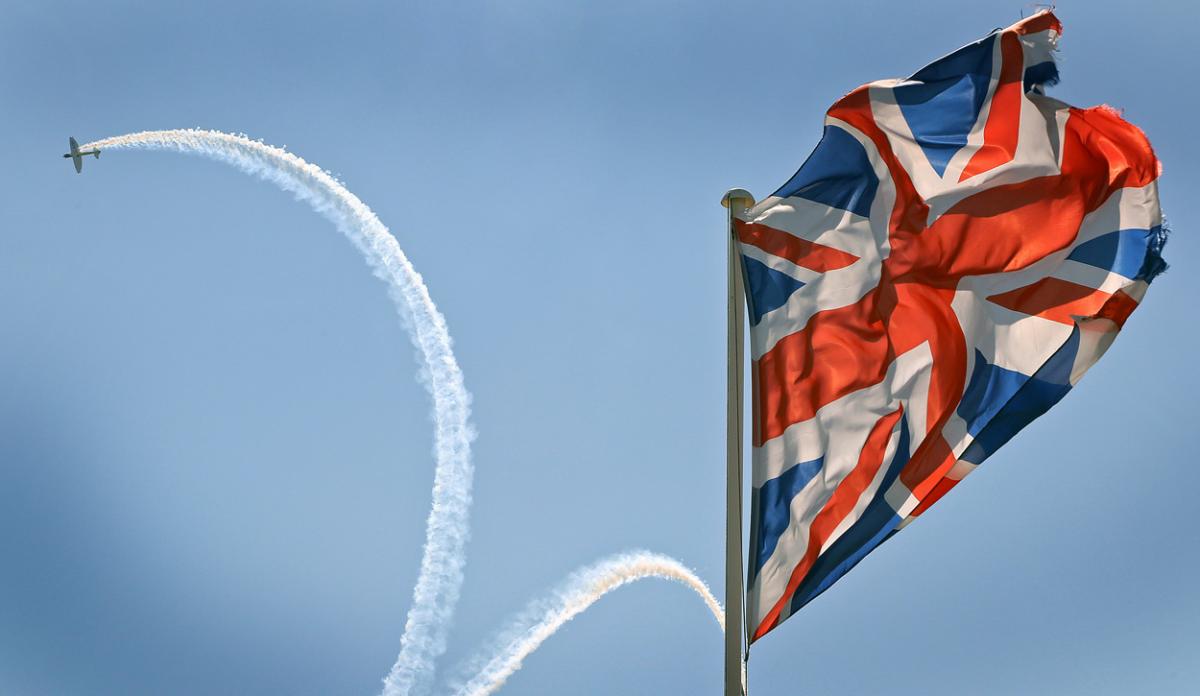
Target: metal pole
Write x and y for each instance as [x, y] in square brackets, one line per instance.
[736, 200]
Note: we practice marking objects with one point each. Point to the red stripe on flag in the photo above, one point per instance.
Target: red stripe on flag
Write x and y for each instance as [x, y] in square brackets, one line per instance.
[1001, 229]
[1004, 116]
[1118, 308]
[918, 314]
[910, 211]
[941, 488]
[1115, 147]
[810, 255]
[1055, 299]
[932, 461]
[1038, 22]
[1010, 227]
[838, 352]
[839, 505]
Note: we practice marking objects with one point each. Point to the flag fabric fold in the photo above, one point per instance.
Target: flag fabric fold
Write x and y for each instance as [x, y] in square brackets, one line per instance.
[951, 258]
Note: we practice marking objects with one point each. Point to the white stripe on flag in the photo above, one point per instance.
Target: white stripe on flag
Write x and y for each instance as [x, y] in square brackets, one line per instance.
[852, 417]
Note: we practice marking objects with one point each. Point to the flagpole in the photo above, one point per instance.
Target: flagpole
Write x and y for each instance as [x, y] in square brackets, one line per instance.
[736, 201]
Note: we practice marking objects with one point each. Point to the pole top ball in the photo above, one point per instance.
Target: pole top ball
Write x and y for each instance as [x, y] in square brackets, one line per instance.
[738, 197]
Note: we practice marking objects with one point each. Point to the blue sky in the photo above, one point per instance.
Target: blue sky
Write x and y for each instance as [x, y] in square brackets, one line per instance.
[215, 459]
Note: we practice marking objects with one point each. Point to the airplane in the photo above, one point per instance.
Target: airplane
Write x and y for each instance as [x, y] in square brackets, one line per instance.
[77, 155]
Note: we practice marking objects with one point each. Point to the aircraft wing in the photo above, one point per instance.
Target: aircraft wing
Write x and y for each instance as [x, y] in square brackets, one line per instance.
[75, 156]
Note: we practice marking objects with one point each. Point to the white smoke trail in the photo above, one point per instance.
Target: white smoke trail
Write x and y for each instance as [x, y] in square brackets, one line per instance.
[440, 580]
[542, 618]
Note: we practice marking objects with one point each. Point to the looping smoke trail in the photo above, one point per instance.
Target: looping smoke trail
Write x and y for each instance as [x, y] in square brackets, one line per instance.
[437, 589]
[436, 593]
[542, 618]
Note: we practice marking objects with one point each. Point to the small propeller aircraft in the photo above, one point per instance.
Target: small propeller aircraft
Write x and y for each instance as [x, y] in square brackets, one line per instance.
[76, 155]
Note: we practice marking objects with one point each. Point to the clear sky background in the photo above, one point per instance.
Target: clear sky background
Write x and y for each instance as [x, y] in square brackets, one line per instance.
[214, 457]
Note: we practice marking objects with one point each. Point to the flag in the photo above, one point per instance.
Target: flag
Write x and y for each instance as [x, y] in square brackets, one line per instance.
[951, 258]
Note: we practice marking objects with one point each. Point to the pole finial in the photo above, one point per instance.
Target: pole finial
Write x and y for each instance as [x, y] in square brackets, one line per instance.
[738, 197]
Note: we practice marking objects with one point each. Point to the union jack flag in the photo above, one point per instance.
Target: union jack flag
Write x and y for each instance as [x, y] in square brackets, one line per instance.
[952, 257]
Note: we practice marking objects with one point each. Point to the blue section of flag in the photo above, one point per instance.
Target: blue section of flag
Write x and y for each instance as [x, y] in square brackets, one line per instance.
[837, 173]
[1123, 251]
[872, 528]
[944, 100]
[1041, 75]
[1154, 263]
[995, 410]
[989, 390]
[773, 502]
[768, 288]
